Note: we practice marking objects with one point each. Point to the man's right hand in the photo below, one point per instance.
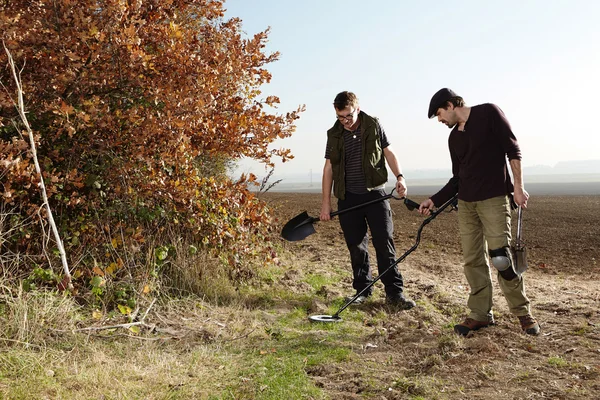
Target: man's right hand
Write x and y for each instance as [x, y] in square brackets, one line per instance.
[325, 212]
[426, 206]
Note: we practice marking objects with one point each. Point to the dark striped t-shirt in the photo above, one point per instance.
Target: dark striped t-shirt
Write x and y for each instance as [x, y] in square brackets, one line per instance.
[355, 178]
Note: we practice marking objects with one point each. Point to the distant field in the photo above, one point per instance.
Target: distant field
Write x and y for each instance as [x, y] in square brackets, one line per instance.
[533, 188]
[569, 185]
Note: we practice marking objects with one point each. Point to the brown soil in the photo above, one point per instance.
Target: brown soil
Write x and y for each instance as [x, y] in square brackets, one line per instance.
[411, 355]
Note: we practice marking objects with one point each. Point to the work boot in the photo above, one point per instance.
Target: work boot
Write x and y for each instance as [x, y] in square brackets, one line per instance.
[529, 325]
[359, 300]
[400, 302]
[471, 324]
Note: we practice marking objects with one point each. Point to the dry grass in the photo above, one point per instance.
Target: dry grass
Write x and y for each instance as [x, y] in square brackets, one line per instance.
[31, 318]
[256, 342]
[190, 272]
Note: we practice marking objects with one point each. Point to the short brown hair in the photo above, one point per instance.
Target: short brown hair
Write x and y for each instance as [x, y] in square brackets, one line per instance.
[456, 101]
[345, 99]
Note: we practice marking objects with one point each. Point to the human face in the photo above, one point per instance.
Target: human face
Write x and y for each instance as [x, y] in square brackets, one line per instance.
[348, 117]
[447, 117]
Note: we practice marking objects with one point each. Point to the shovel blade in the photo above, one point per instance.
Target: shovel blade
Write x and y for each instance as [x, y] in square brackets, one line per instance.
[520, 261]
[298, 228]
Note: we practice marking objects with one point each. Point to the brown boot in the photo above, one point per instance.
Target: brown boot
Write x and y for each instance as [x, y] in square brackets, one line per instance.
[529, 325]
[471, 324]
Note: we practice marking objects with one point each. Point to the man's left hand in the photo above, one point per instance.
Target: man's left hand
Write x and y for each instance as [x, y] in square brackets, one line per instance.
[401, 189]
[521, 196]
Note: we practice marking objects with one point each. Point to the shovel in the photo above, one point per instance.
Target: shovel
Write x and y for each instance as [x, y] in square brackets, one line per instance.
[519, 250]
[301, 226]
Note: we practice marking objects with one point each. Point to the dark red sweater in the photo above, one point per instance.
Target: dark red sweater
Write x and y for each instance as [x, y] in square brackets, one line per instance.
[479, 153]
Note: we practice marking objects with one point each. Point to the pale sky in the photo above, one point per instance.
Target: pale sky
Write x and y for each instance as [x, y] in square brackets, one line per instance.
[539, 61]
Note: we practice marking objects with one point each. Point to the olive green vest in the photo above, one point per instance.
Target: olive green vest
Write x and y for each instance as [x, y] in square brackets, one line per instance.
[373, 161]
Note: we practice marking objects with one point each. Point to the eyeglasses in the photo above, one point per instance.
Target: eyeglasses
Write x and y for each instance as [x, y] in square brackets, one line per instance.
[346, 118]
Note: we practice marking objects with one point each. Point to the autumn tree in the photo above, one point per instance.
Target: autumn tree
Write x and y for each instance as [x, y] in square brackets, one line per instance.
[137, 109]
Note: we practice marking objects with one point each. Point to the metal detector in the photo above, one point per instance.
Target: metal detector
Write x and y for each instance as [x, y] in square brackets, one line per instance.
[301, 226]
[336, 317]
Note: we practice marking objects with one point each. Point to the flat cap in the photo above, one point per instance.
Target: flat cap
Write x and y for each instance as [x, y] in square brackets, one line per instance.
[439, 99]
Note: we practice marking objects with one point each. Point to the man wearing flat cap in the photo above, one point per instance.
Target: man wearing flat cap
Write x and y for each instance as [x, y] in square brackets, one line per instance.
[480, 142]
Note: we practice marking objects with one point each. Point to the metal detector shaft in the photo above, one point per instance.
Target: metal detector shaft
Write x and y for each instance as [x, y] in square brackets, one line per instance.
[408, 202]
[301, 226]
[336, 213]
[368, 203]
[402, 257]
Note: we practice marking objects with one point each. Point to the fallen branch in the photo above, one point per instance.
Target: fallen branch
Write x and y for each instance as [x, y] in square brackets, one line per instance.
[240, 337]
[21, 342]
[141, 322]
[104, 327]
[148, 310]
[134, 337]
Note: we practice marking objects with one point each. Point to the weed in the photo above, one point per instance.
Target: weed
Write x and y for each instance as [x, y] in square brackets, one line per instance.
[582, 328]
[417, 386]
[523, 376]
[558, 361]
[448, 343]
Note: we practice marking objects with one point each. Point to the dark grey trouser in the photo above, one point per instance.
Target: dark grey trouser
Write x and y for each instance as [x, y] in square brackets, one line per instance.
[378, 218]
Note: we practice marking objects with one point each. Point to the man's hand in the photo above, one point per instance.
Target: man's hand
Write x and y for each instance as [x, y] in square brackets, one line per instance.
[401, 189]
[521, 196]
[425, 207]
[325, 212]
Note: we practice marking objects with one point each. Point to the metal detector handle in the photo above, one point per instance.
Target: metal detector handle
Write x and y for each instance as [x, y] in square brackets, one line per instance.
[411, 204]
[435, 213]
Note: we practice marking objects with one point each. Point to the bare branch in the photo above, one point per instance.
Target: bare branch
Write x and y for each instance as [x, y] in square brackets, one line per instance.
[21, 110]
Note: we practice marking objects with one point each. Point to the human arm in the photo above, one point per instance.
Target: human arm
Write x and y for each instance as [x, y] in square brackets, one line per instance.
[442, 196]
[326, 186]
[448, 191]
[521, 196]
[392, 161]
[513, 153]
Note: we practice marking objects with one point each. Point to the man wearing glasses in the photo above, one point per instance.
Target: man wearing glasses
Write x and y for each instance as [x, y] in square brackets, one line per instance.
[355, 157]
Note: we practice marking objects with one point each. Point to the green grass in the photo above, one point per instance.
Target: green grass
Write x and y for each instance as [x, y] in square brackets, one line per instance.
[270, 363]
[317, 281]
[276, 368]
[276, 376]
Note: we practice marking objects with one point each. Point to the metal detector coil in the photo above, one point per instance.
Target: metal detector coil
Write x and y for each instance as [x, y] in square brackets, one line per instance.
[324, 318]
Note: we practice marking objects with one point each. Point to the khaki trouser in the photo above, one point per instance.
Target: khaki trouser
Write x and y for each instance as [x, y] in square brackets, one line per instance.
[487, 224]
